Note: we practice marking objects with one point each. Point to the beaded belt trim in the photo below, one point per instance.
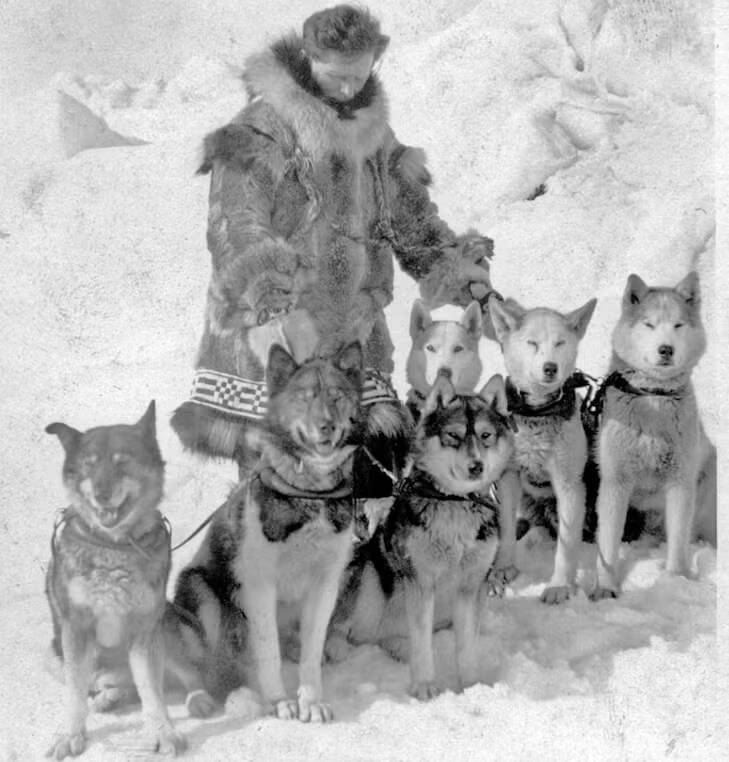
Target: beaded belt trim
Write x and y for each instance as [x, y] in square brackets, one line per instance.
[248, 399]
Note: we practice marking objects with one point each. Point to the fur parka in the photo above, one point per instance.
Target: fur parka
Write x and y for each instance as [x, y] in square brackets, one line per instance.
[310, 202]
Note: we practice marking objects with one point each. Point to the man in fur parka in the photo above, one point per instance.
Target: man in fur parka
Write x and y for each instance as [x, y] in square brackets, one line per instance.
[311, 195]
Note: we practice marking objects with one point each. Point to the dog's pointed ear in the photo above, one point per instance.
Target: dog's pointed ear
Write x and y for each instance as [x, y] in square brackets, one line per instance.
[281, 366]
[506, 316]
[578, 319]
[148, 422]
[635, 290]
[441, 395]
[689, 289]
[471, 320]
[349, 360]
[494, 395]
[420, 318]
[69, 436]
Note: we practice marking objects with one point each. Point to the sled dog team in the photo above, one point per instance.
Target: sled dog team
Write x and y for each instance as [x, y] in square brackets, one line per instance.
[292, 564]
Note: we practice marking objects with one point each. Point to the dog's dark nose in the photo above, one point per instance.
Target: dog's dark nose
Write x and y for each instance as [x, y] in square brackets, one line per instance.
[550, 369]
[475, 469]
[665, 351]
[446, 372]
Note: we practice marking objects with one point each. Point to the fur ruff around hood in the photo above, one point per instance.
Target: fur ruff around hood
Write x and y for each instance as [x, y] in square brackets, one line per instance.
[281, 77]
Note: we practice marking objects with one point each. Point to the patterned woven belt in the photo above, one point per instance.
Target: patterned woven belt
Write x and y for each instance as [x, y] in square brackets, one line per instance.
[244, 398]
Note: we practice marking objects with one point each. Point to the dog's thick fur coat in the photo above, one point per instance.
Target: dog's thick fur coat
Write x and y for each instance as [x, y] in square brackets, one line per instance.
[109, 568]
[277, 548]
[540, 350]
[651, 445]
[426, 564]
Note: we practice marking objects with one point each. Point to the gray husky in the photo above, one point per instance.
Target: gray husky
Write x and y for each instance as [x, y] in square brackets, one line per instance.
[651, 447]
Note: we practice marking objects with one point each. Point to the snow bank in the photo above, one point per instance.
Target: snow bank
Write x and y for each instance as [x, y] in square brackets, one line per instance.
[579, 140]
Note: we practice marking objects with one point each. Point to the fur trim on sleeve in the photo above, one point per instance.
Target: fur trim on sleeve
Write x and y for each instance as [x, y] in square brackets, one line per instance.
[411, 164]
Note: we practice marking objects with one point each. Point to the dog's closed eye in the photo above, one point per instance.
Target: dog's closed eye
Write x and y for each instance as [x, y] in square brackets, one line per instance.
[451, 439]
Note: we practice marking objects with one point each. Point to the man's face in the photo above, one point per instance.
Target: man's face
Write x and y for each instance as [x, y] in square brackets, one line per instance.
[342, 77]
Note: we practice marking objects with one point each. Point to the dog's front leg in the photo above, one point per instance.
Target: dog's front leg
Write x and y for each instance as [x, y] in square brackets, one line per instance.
[316, 613]
[612, 507]
[570, 492]
[465, 630]
[259, 603]
[680, 508]
[146, 659]
[420, 605]
[79, 655]
[509, 496]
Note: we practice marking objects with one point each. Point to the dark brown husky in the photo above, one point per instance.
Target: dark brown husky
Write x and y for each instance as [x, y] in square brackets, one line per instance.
[108, 572]
[276, 550]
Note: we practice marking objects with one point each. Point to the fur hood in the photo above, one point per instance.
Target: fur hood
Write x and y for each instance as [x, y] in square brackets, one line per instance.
[281, 76]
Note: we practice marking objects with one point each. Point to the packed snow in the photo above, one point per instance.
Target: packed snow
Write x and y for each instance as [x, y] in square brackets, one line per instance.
[576, 133]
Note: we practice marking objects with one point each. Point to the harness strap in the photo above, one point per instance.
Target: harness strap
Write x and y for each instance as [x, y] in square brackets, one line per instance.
[273, 481]
[617, 380]
[85, 534]
[562, 404]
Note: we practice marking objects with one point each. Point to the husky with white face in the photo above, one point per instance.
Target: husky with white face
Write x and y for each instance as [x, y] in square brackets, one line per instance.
[652, 448]
[550, 446]
[440, 346]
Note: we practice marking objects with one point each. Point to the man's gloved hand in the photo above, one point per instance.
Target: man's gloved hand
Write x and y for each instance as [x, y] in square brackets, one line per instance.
[473, 267]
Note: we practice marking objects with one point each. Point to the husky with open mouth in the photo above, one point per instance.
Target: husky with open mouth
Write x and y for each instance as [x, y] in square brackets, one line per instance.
[276, 550]
[107, 577]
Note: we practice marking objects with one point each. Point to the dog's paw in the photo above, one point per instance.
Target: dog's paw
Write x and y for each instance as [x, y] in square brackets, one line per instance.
[285, 709]
[169, 742]
[311, 707]
[424, 690]
[67, 745]
[498, 579]
[557, 594]
[337, 648]
[200, 703]
[679, 570]
[315, 711]
[110, 699]
[602, 593]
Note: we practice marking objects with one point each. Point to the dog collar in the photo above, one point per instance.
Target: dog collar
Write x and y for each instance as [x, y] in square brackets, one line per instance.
[421, 485]
[244, 398]
[276, 483]
[562, 405]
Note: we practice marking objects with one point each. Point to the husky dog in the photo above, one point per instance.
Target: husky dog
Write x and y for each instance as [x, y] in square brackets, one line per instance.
[440, 345]
[651, 442]
[108, 572]
[540, 349]
[426, 563]
[276, 550]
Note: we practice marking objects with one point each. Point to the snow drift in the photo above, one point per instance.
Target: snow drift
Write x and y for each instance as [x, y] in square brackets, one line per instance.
[577, 134]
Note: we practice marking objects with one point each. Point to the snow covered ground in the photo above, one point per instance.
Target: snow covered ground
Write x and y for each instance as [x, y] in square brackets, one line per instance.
[606, 106]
